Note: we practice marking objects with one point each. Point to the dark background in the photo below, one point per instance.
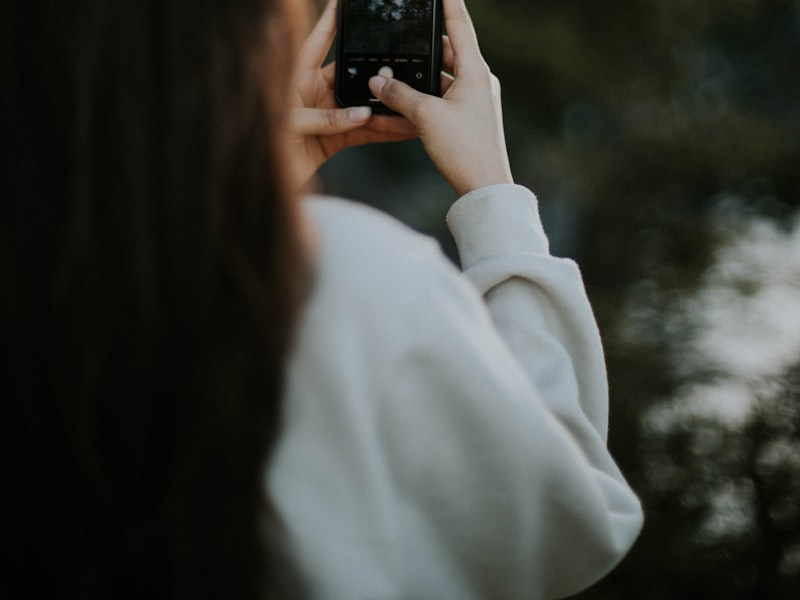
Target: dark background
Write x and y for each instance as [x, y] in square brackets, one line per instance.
[388, 27]
[663, 140]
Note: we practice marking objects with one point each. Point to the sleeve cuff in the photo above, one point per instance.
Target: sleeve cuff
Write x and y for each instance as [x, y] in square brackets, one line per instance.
[496, 220]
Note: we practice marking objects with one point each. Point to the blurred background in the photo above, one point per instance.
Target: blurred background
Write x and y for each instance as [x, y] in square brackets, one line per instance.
[662, 138]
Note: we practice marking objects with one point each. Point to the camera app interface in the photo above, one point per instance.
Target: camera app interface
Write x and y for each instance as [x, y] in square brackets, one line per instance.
[397, 34]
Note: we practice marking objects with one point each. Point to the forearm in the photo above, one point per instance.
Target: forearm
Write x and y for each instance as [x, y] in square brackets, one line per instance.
[537, 301]
[539, 308]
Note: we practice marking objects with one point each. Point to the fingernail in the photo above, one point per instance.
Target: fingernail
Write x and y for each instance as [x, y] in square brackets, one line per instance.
[376, 84]
[359, 113]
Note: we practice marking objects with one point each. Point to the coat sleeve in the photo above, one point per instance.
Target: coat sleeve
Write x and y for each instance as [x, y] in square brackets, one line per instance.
[504, 460]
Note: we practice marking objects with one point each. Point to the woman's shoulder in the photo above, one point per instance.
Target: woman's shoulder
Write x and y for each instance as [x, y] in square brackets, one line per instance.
[360, 250]
[377, 279]
[352, 229]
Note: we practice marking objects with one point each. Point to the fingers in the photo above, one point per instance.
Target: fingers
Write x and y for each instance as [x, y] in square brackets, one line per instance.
[461, 33]
[367, 135]
[447, 81]
[328, 121]
[329, 73]
[398, 96]
[393, 126]
[448, 56]
[448, 64]
[316, 47]
[332, 121]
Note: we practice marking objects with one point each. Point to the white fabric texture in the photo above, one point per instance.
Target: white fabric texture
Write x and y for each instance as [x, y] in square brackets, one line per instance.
[445, 432]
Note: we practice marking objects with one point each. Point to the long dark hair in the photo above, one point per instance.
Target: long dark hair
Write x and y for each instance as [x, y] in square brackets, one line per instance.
[151, 273]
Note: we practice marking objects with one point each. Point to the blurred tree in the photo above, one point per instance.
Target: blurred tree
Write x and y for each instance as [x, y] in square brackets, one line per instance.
[720, 458]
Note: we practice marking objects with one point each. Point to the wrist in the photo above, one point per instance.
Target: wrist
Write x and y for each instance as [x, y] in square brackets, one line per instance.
[481, 178]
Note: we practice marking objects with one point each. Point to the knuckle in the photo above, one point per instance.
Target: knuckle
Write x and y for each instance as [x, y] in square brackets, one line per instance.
[331, 119]
[425, 110]
[390, 91]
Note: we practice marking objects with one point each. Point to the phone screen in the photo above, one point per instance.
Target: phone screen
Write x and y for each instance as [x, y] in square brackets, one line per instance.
[404, 35]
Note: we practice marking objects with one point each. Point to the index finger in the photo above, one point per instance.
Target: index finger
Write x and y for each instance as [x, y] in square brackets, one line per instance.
[462, 35]
[316, 47]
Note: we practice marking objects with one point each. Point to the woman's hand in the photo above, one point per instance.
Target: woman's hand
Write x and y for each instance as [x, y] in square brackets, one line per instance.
[319, 128]
[463, 130]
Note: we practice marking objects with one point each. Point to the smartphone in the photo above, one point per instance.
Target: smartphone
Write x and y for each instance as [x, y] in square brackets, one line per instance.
[402, 35]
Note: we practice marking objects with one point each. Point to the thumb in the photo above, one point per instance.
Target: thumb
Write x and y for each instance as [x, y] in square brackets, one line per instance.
[328, 121]
[398, 96]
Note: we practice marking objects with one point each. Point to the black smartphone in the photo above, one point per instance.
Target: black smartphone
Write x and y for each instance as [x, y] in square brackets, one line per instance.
[402, 35]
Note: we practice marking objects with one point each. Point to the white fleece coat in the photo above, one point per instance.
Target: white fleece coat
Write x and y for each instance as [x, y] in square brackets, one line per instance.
[445, 433]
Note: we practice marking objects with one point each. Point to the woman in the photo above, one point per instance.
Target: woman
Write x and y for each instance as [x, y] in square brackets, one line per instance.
[218, 390]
